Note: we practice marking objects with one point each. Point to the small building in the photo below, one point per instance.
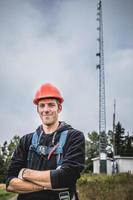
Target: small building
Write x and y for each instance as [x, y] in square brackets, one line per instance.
[118, 165]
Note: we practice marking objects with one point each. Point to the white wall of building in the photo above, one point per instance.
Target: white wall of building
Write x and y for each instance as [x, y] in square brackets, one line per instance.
[96, 165]
[125, 164]
[121, 165]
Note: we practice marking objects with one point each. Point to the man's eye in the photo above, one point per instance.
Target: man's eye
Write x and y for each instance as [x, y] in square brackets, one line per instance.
[51, 105]
[41, 105]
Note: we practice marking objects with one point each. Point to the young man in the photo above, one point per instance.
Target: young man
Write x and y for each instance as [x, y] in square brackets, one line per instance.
[47, 163]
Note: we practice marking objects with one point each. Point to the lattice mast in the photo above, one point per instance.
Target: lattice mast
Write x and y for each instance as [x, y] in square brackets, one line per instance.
[102, 107]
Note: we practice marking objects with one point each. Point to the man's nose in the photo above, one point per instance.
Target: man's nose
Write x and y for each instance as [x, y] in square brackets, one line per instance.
[46, 108]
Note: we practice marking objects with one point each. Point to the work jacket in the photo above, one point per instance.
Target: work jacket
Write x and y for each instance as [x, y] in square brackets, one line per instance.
[63, 177]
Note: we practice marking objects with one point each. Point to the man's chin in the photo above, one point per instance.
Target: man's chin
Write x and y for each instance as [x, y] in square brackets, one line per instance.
[48, 123]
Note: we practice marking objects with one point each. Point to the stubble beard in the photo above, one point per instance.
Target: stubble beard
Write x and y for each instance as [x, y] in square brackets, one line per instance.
[49, 122]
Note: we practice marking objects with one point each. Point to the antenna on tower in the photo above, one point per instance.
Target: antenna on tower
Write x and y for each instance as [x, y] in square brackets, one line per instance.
[102, 107]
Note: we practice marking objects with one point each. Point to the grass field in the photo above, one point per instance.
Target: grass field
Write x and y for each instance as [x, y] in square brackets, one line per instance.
[4, 195]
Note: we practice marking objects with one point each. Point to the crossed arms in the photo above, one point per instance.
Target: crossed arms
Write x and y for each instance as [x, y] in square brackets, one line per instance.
[34, 180]
[30, 181]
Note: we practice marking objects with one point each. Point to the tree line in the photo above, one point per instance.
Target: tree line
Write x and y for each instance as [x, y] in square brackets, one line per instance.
[118, 143]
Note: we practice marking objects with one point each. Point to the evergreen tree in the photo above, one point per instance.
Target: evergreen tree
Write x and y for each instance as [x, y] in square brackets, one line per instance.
[119, 140]
[129, 146]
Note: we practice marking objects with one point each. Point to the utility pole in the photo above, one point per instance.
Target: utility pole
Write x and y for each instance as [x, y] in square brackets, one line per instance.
[102, 107]
[114, 127]
[113, 137]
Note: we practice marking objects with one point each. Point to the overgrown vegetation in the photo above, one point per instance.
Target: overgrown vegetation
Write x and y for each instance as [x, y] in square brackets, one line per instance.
[105, 187]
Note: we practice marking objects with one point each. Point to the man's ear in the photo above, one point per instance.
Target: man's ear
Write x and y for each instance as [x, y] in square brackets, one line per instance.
[59, 108]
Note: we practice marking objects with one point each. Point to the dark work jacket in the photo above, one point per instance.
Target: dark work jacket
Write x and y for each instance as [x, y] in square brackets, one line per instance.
[66, 176]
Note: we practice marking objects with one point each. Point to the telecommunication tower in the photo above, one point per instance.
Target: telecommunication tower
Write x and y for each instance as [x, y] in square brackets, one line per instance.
[102, 107]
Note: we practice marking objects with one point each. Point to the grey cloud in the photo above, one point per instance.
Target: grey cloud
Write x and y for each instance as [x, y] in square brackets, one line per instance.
[55, 41]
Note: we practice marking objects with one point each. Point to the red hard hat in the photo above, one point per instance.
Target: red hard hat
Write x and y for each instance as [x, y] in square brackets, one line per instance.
[47, 90]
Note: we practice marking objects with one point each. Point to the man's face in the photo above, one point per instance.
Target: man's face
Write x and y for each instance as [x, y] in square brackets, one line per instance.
[48, 110]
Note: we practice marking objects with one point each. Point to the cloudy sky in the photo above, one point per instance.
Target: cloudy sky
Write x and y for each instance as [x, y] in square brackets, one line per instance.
[55, 41]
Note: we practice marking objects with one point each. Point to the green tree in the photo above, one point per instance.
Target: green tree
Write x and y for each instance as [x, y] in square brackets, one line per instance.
[2, 168]
[129, 146]
[92, 150]
[12, 145]
[123, 143]
[6, 155]
[119, 140]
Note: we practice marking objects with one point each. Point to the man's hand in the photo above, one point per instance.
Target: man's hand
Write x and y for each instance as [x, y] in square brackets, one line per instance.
[41, 178]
